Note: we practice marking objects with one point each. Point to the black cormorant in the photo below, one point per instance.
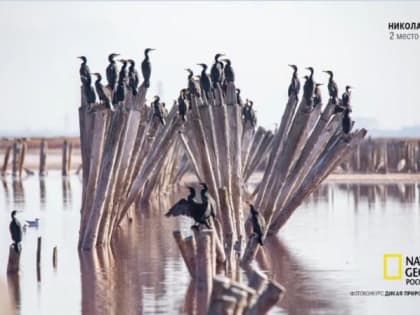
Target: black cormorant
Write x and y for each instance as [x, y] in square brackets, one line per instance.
[119, 95]
[248, 113]
[146, 67]
[308, 87]
[133, 77]
[239, 98]
[332, 87]
[347, 122]
[103, 93]
[15, 229]
[294, 86]
[205, 79]
[190, 208]
[193, 86]
[216, 71]
[112, 71]
[84, 72]
[182, 106]
[345, 99]
[317, 95]
[157, 110]
[228, 71]
[258, 224]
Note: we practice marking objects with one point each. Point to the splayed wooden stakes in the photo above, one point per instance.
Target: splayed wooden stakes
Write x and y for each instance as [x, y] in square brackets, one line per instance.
[121, 151]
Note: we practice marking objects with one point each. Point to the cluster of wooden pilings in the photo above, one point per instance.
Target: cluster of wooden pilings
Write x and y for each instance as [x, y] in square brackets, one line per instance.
[216, 287]
[384, 155]
[17, 149]
[126, 153]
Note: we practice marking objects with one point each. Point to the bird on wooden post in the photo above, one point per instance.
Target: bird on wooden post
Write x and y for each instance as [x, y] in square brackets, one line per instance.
[294, 86]
[239, 98]
[317, 95]
[15, 229]
[248, 113]
[103, 93]
[133, 77]
[332, 87]
[209, 204]
[228, 71]
[158, 111]
[112, 71]
[193, 86]
[119, 95]
[258, 224]
[216, 72]
[308, 87]
[84, 72]
[345, 101]
[146, 67]
[190, 208]
[182, 106]
[205, 82]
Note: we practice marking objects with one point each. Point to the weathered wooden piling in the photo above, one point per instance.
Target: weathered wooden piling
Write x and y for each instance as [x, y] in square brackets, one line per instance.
[6, 161]
[54, 257]
[203, 271]
[267, 299]
[43, 149]
[16, 158]
[13, 264]
[66, 158]
[38, 251]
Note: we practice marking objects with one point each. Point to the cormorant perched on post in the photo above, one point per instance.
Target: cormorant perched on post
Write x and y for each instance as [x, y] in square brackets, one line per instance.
[133, 77]
[15, 229]
[205, 79]
[308, 87]
[228, 72]
[84, 72]
[216, 71]
[119, 95]
[248, 114]
[347, 122]
[258, 224]
[239, 98]
[157, 110]
[103, 93]
[205, 198]
[345, 99]
[182, 106]
[190, 208]
[193, 86]
[112, 71]
[332, 87]
[317, 95]
[294, 86]
[146, 67]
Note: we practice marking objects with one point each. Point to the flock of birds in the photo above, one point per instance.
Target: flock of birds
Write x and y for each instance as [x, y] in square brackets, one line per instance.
[127, 80]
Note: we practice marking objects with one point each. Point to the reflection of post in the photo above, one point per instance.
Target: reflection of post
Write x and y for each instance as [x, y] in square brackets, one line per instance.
[66, 160]
[67, 196]
[5, 161]
[18, 192]
[42, 192]
[13, 281]
[14, 260]
[22, 155]
[43, 157]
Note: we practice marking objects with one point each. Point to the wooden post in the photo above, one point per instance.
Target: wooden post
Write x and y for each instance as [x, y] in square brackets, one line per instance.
[187, 251]
[22, 157]
[54, 257]
[268, 298]
[5, 161]
[203, 271]
[257, 280]
[15, 161]
[38, 251]
[65, 156]
[14, 260]
[43, 157]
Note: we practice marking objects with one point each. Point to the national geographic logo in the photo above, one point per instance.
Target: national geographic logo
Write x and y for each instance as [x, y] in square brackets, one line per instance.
[399, 267]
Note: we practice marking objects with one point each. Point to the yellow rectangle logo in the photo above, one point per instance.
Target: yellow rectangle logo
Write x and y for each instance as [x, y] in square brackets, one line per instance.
[392, 259]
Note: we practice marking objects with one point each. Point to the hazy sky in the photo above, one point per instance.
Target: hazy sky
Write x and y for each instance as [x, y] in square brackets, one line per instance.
[40, 41]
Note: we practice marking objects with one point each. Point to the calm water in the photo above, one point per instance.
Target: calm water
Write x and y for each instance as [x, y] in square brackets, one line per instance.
[332, 245]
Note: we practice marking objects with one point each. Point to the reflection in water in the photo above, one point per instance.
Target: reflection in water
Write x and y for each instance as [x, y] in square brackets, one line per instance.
[13, 282]
[325, 250]
[18, 192]
[42, 192]
[305, 293]
[67, 195]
